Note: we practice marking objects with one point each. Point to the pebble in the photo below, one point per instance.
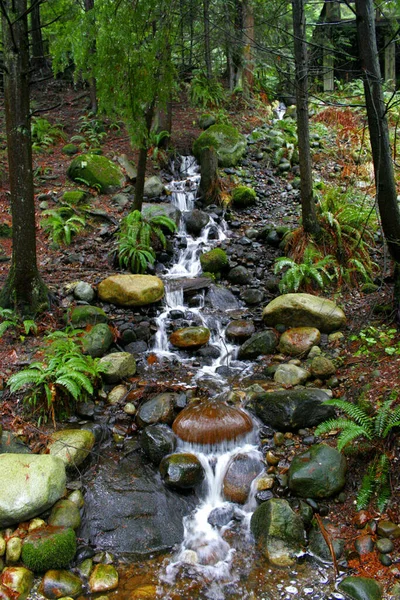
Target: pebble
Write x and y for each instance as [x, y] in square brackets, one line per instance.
[384, 545]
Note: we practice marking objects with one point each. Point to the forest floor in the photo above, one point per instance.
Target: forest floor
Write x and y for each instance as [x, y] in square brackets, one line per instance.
[375, 371]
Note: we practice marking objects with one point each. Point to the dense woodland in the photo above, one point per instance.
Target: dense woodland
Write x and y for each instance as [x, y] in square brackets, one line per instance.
[310, 90]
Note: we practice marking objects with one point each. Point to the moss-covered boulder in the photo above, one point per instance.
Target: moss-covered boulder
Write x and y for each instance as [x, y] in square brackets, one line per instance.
[131, 290]
[214, 261]
[80, 316]
[243, 196]
[96, 171]
[97, 341]
[229, 144]
[74, 196]
[319, 472]
[49, 548]
[70, 149]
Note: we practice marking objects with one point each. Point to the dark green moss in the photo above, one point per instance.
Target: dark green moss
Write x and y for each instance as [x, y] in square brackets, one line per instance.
[74, 196]
[49, 548]
[214, 261]
[227, 141]
[243, 196]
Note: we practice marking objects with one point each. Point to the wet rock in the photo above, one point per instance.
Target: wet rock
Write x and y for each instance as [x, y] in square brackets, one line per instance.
[60, 584]
[117, 365]
[81, 316]
[361, 588]
[252, 296]
[290, 410]
[319, 472]
[220, 298]
[13, 550]
[49, 548]
[210, 422]
[29, 485]
[65, 513]
[260, 343]
[221, 516]
[83, 291]
[181, 470]
[264, 496]
[157, 441]
[318, 546]
[195, 221]
[384, 545]
[239, 275]
[71, 445]
[304, 310]
[322, 367]
[131, 290]
[298, 340]
[165, 209]
[153, 187]
[97, 341]
[229, 144]
[17, 581]
[289, 374]
[388, 529]
[364, 544]
[241, 471]
[128, 510]
[214, 261]
[240, 330]
[160, 409]
[117, 394]
[97, 171]
[11, 444]
[190, 337]
[103, 578]
[278, 531]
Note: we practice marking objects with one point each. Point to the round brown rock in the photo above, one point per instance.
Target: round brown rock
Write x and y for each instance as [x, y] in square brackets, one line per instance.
[299, 340]
[190, 337]
[240, 330]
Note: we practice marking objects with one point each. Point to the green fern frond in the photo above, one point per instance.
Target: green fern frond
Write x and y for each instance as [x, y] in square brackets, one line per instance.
[355, 413]
[27, 377]
[367, 489]
[382, 417]
[70, 385]
[350, 433]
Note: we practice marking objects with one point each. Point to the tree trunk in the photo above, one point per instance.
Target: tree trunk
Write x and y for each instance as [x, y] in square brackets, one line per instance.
[207, 42]
[309, 217]
[248, 47]
[89, 5]
[24, 289]
[39, 61]
[209, 188]
[378, 128]
[142, 162]
[237, 43]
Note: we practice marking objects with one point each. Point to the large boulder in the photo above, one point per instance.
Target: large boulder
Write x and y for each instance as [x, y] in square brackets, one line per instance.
[96, 171]
[361, 588]
[29, 485]
[131, 290]
[80, 316]
[229, 144]
[71, 445]
[129, 511]
[278, 531]
[319, 472]
[304, 310]
[290, 410]
[261, 343]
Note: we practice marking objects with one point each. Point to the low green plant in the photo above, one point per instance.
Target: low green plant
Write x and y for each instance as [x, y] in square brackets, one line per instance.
[374, 339]
[155, 142]
[9, 319]
[62, 223]
[62, 379]
[205, 92]
[313, 272]
[92, 130]
[376, 430]
[44, 133]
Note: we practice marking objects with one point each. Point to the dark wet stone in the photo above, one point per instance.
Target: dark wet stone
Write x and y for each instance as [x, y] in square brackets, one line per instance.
[241, 471]
[181, 470]
[261, 343]
[220, 298]
[319, 472]
[157, 441]
[318, 546]
[240, 330]
[361, 588]
[195, 221]
[239, 275]
[364, 544]
[263, 496]
[252, 296]
[219, 517]
[160, 409]
[384, 545]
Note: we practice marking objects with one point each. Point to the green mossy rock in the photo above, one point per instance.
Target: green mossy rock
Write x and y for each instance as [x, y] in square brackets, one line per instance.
[81, 316]
[59, 583]
[97, 341]
[131, 290]
[214, 261]
[71, 445]
[103, 578]
[74, 196]
[243, 196]
[96, 171]
[49, 548]
[70, 149]
[65, 513]
[229, 144]
[361, 588]
[206, 120]
[319, 472]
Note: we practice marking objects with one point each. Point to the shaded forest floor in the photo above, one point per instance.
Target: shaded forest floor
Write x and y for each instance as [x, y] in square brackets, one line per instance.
[374, 373]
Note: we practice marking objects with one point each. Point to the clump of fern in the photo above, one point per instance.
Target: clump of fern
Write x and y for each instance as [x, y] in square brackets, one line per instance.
[205, 92]
[313, 272]
[376, 430]
[62, 379]
[347, 227]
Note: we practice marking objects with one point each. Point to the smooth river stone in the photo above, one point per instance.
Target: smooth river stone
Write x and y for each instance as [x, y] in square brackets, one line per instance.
[190, 337]
[240, 330]
[131, 290]
[241, 471]
[299, 340]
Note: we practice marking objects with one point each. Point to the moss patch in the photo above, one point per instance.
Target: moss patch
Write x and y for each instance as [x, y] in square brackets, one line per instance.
[214, 261]
[229, 144]
[49, 548]
[96, 171]
[243, 196]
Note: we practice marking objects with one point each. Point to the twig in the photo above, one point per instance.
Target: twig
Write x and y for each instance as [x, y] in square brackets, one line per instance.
[329, 543]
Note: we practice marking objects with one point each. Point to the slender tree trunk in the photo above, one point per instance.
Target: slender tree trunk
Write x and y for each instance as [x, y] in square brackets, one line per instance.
[142, 161]
[24, 289]
[37, 54]
[207, 42]
[378, 128]
[309, 217]
[237, 53]
[248, 47]
[89, 6]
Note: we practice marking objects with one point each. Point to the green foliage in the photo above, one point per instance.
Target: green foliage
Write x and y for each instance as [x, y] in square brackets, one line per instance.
[377, 429]
[49, 548]
[61, 224]
[64, 378]
[313, 272]
[374, 339]
[137, 236]
[92, 130]
[9, 319]
[44, 134]
[204, 92]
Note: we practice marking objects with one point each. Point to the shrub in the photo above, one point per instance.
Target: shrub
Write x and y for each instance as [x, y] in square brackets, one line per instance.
[49, 548]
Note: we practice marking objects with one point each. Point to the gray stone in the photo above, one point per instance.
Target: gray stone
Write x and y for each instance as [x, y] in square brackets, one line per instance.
[159, 409]
[240, 330]
[153, 187]
[195, 221]
[71, 445]
[319, 472]
[239, 275]
[29, 485]
[117, 365]
[304, 310]
[220, 298]
[11, 444]
[98, 340]
[84, 291]
[290, 410]
[252, 296]
[289, 374]
[260, 343]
